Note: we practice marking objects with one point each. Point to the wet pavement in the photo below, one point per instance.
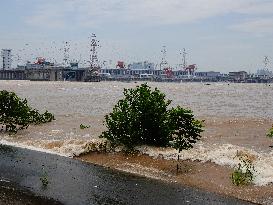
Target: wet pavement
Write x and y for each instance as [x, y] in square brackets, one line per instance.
[12, 194]
[74, 182]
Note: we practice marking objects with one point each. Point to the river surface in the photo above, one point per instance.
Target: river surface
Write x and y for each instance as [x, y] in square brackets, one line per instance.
[237, 117]
[97, 99]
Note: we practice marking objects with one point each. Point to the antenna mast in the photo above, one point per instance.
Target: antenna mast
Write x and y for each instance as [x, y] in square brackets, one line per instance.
[164, 63]
[94, 62]
[66, 53]
[266, 62]
[184, 59]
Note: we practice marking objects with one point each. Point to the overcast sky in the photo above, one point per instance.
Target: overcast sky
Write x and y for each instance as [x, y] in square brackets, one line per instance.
[220, 35]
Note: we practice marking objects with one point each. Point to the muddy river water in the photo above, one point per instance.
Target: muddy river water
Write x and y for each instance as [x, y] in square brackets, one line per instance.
[237, 117]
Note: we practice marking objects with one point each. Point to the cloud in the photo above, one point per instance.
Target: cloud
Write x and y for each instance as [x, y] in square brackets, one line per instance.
[90, 12]
[260, 26]
[262, 7]
[177, 11]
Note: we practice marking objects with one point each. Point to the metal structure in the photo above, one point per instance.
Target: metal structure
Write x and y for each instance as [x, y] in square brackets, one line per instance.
[163, 64]
[92, 74]
[94, 62]
[266, 62]
[184, 59]
[120, 64]
[189, 68]
[66, 53]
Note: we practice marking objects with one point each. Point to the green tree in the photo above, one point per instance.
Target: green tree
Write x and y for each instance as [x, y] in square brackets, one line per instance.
[142, 118]
[185, 129]
[15, 113]
[139, 118]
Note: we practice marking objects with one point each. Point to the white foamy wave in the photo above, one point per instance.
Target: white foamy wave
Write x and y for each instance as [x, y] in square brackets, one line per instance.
[67, 148]
[24, 146]
[224, 155]
[221, 155]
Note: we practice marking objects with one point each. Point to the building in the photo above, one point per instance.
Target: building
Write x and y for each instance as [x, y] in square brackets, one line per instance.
[142, 66]
[239, 76]
[210, 75]
[6, 59]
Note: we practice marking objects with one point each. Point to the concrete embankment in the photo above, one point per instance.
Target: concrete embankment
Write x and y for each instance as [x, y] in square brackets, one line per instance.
[75, 182]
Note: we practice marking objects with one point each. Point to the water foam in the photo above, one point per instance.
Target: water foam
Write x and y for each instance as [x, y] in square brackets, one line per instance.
[66, 148]
[224, 155]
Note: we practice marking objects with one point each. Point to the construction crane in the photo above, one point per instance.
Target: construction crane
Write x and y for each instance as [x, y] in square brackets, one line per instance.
[190, 69]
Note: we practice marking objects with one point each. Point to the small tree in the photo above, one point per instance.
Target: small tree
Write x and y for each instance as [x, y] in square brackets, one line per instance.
[143, 118]
[140, 118]
[185, 129]
[15, 113]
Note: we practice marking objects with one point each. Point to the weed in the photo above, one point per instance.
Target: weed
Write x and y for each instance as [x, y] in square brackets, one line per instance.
[82, 126]
[270, 133]
[243, 173]
[44, 180]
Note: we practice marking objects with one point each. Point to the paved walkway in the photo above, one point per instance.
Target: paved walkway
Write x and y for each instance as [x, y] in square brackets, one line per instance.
[74, 182]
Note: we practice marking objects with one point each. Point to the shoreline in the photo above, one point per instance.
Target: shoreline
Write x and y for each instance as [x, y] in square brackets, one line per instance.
[74, 182]
[206, 176]
[237, 118]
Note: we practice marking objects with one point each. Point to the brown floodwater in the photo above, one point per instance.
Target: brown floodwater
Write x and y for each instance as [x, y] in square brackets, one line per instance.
[236, 116]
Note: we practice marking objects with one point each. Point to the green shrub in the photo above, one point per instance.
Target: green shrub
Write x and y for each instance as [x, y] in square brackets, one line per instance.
[270, 133]
[139, 118]
[15, 113]
[185, 129]
[143, 118]
[243, 174]
[82, 126]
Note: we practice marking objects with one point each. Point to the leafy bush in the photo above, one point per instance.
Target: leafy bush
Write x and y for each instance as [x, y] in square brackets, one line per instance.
[82, 126]
[142, 117]
[243, 174]
[270, 133]
[15, 113]
[185, 129]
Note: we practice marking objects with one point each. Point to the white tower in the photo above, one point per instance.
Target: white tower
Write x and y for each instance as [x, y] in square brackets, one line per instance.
[6, 59]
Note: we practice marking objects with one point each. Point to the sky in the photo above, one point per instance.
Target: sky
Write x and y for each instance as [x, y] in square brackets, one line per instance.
[218, 35]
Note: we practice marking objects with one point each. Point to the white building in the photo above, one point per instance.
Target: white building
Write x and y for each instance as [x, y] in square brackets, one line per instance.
[6, 59]
[142, 66]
